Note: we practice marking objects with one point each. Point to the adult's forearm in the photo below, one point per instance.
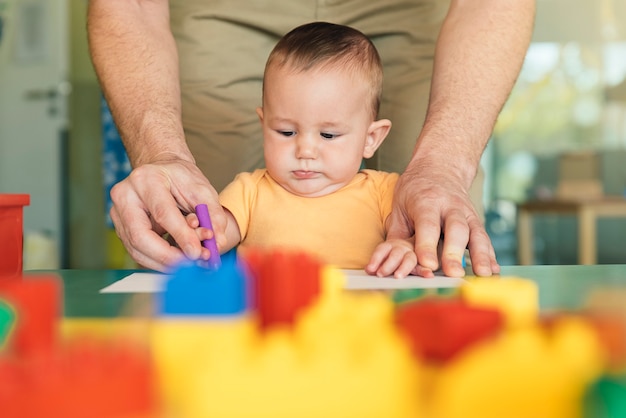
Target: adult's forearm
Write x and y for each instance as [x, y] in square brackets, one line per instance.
[135, 58]
[480, 51]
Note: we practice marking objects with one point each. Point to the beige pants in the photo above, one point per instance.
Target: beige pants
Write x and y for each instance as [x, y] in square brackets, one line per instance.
[223, 46]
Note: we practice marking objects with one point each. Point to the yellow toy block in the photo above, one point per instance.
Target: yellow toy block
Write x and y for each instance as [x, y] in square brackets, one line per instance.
[526, 372]
[332, 281]
[516, 298]
[343, 356]
[132, 330]
[182, 347]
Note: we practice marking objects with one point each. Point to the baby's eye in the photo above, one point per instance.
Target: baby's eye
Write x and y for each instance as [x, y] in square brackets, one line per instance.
[287, 133]
[326, 135]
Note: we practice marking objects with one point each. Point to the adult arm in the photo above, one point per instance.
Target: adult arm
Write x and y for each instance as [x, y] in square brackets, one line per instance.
[135, 57]
[479, 53]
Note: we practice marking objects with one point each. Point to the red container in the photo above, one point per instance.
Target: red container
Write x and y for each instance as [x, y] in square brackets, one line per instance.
[12, 233]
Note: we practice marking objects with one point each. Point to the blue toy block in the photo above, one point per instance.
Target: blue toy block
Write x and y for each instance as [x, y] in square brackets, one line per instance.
[195, 290]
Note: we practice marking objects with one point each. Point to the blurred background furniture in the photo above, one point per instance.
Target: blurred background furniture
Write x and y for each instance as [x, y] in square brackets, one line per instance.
[579, 192]
[586, 212]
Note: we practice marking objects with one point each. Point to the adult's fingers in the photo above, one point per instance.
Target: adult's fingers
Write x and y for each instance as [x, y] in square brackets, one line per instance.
[433, 205]
[466, 231]
[165, 215]
[192, 190]
[143, 244]
[455, 238]
[427, 234]
[425, 225]
[149, 202]
[482, 253]
[416, 211]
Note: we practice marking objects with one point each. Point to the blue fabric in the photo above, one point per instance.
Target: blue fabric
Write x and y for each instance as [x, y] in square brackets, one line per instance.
[115, 163]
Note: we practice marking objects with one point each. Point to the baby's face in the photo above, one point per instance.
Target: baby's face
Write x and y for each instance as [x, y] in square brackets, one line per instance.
[315, 127]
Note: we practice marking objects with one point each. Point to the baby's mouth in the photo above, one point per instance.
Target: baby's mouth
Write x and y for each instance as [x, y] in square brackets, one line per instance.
[304, 174]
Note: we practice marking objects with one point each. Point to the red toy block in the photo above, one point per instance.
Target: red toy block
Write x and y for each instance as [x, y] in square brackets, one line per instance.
[611, 331]
[11, 388]
[283, 283]
[84, 378]
[37, 303]
[11, 233]
[438, 329]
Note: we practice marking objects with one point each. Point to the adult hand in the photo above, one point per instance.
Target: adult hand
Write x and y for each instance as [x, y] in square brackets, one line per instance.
[152, 201]
[431, 202]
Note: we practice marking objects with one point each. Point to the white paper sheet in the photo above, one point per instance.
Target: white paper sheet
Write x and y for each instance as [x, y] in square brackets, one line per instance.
[359, 279]
[138, 283]
[356, 279]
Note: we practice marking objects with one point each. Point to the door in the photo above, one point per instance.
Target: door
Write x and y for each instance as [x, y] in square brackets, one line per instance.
[33, 125]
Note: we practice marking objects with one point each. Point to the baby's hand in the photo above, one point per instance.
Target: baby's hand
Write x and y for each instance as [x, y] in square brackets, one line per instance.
[202, 233]
[397, 257]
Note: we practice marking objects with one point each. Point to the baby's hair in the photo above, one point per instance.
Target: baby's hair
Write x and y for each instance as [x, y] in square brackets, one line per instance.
[319, 44]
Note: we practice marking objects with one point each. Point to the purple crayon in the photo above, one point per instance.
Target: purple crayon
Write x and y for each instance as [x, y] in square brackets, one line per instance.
[202, 212]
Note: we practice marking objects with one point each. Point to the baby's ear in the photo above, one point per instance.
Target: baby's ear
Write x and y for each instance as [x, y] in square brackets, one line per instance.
[376, 134]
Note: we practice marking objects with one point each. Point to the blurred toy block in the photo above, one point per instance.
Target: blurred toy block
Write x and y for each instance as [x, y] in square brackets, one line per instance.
[195, 290]
[11, 233]
[606, 309]
[439, 328]
[7, 323]
[339, 353]
[606, 399]
[524, 372]
[82, 378]
[343, 356]
[284, 283]
[516, 298]
[131, 330]
[183, 347]
[611, 331]
[36, 303]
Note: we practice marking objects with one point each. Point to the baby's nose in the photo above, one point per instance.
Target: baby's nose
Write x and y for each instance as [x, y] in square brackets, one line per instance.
[306, 146]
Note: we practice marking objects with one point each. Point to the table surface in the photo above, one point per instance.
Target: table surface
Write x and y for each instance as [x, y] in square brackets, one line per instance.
[560, 287]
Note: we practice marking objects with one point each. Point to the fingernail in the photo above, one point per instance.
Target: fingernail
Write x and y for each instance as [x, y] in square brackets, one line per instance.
[455, 268]
[484, 270]
[429, 262]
